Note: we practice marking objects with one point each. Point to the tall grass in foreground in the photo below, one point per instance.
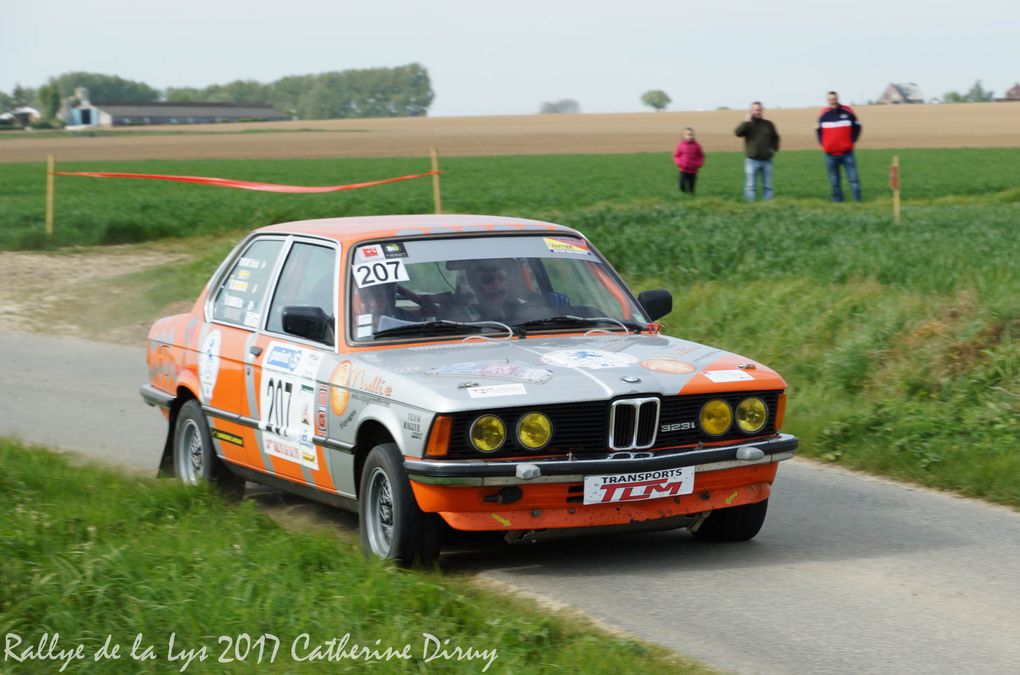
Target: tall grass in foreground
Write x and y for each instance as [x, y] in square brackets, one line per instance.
[87, 553]
[899, 343]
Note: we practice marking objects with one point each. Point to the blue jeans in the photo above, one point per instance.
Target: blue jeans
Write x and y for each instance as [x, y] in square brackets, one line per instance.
[849, 164]
[753, 167]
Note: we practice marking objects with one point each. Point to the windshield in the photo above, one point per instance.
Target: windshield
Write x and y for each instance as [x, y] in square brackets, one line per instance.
[517, 281]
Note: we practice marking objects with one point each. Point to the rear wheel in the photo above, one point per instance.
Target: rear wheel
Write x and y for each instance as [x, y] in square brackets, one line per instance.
[392, 526]
[738, 523]
[195, 461]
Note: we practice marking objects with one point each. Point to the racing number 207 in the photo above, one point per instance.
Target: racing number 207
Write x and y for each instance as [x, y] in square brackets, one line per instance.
[279, 394]
[382, 272]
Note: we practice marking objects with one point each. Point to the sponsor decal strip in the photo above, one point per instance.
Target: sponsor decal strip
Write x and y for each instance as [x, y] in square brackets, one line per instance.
[516, 389]
[228, 437]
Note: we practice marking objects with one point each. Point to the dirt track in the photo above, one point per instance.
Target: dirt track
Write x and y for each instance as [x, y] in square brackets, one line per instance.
[955, 125]
[66, 293]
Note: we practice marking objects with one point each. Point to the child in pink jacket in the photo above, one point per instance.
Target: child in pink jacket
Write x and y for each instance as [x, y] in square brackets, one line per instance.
[689, 158]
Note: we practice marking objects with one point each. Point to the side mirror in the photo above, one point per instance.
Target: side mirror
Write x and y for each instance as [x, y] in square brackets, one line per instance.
[308, 322]
[657, 303]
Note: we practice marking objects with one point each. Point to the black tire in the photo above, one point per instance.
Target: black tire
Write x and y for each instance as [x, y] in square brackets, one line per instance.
[392, 526]
[739, 523]
[194, 459]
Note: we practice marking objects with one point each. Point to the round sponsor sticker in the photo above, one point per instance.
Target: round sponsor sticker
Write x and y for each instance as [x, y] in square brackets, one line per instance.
[588, 358]
[665, 364]
[339, 396]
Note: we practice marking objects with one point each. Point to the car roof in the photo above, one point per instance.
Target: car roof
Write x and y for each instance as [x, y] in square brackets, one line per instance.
[357, 228]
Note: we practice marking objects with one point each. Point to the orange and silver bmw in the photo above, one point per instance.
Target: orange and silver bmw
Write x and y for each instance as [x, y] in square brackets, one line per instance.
[467, 372]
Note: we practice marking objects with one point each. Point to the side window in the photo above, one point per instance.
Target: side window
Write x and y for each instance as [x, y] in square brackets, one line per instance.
[242, 295]
[307, 281]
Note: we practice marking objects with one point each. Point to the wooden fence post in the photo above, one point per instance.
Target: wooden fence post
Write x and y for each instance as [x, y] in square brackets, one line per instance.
[50, 196]
[436, 194]
[894, 183]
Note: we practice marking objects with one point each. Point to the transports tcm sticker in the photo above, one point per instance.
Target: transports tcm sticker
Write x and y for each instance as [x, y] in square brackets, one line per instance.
[638, 486]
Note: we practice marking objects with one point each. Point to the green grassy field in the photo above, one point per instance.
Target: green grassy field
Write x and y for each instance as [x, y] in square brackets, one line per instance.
[106, 211]
[89, 554]
[899, 343]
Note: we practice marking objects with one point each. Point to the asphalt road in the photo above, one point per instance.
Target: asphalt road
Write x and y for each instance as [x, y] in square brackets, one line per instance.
[851, 574]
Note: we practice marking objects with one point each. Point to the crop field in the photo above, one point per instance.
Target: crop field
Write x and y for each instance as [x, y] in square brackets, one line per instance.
[979, 125]
[109, 211]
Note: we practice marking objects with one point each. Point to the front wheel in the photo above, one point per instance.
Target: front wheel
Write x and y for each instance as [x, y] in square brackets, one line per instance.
[392, 526]
[739, 523]
[195, 461]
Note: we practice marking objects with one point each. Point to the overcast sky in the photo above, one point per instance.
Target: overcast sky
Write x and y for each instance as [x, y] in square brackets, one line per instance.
[489, 57]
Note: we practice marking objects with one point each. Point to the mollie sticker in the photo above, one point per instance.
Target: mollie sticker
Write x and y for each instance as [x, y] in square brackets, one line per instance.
[340, 396]
[588, 358]
[209, 364]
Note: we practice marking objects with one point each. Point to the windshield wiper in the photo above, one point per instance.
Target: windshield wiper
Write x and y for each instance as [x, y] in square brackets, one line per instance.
[567, 321]
[440, 327]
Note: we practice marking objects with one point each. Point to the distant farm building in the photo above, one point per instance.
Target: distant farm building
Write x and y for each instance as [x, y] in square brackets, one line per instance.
[1012, 94]
[896, 94]
[79, 111]
[22, 116]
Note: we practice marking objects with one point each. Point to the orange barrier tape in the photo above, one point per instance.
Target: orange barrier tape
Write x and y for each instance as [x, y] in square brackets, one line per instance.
[244, 184]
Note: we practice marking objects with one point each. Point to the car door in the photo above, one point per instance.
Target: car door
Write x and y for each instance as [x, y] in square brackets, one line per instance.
[290, 385]
[234, 315]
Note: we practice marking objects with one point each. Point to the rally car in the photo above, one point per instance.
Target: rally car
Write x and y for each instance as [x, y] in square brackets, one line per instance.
[470, 373]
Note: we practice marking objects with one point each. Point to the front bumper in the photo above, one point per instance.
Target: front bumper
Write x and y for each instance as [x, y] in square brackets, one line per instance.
[485, 472]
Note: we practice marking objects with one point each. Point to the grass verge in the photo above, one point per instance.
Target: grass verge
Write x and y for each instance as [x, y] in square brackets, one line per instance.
[101, 559]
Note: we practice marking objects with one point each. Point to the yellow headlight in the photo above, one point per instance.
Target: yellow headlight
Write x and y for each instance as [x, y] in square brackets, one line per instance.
[716, 417]
[488, 433]
[752, 414]
[534, 430]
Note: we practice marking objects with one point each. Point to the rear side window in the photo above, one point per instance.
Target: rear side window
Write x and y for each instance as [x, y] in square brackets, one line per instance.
[241, 296]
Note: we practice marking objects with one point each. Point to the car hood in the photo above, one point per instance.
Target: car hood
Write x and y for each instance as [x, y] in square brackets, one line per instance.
[478, 374]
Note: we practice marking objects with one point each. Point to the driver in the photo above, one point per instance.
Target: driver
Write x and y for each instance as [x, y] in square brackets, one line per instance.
[495, 301]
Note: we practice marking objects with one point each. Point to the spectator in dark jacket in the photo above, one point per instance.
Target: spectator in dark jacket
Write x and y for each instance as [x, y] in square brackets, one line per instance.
[761, 142]
[688, 158]
[838, 130]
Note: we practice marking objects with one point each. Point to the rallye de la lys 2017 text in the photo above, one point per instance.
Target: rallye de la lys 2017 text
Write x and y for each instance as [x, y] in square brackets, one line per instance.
[442, 373]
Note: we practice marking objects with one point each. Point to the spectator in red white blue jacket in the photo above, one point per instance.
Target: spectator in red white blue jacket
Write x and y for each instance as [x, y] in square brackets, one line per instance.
[838, 130]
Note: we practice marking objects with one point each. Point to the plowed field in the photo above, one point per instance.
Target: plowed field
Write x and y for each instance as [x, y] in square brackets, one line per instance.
[955, 125]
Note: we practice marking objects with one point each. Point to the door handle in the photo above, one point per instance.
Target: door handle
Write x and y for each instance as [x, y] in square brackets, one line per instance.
[255, 350]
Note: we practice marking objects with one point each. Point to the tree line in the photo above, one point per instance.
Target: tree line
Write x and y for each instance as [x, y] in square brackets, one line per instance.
[402, 91]
[976, 94]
